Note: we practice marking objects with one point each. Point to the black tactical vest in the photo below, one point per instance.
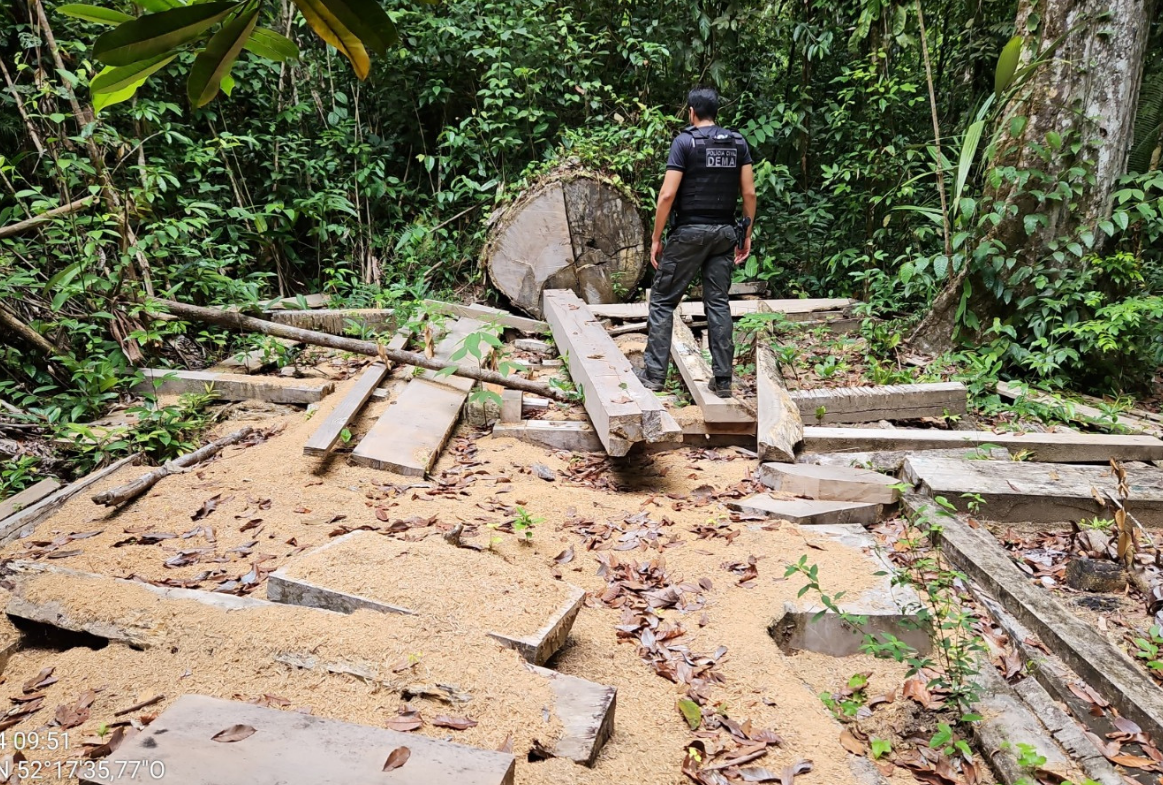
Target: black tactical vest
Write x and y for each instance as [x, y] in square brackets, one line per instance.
[709, 191]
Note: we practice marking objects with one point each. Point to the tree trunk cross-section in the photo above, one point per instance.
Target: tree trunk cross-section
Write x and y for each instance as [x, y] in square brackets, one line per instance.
[572, 230]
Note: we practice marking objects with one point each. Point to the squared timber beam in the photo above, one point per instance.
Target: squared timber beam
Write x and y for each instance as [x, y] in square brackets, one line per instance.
[621, 409]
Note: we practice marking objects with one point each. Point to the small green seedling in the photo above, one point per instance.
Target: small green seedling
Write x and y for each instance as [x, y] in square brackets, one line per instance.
[345, 435]
[524, 523]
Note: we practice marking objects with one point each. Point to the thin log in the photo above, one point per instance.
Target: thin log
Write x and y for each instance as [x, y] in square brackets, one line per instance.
[243, 323]
[29, 335]
[64, 209]
[131, 490]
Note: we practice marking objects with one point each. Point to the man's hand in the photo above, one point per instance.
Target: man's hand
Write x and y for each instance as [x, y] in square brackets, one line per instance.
[741, 254]
[656, 252]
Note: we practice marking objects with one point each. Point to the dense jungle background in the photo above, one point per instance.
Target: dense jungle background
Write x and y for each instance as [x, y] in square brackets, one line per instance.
[984, 177]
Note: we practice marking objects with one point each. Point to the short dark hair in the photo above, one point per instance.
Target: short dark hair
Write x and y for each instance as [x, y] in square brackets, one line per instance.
[705, 102]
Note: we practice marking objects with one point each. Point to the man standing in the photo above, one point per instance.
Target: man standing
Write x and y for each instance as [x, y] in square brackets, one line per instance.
[708, 168]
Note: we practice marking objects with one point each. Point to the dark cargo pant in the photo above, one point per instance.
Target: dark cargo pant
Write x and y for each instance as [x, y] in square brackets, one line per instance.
[690, 249]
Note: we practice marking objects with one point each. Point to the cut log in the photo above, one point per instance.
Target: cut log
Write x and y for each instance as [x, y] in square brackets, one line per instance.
[621, 409]
[887, 402]
[323, 441]
[23, 523]
[794, 310]
[780, 430]
[27, 497]
[243, 323]
[832, 483]
[409, 437]
[489, 315]
[132, 490]
[570, 230]
[1047, 447]
[232, 387]
[1016, 491]
[1097, 576]
[697, 375]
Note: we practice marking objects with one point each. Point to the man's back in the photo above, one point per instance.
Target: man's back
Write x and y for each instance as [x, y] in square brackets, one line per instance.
[710, 158]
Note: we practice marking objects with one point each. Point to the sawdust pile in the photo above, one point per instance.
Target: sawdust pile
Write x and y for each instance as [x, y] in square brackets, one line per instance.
[472, 590]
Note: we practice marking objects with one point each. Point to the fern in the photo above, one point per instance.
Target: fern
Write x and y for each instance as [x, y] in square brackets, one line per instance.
[1148, 121]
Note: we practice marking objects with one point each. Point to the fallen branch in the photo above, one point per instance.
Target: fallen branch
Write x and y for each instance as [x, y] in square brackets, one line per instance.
[131, 490]
[141, 705]
[243, 323]
[64, 209]
[27, 334]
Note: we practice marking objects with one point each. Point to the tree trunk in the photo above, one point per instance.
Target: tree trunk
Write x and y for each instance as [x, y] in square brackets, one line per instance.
[570, 230]
[1088, 92]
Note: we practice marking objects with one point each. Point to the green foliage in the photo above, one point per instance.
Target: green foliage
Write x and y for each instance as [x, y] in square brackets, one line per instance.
[1147, 648]
[524, 522]
[18, 474]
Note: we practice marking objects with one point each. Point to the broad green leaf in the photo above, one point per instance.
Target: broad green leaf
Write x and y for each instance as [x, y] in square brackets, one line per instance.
[691, 713]
[1007, 65]
[968, 153]
[156, 34]
[215, 61]
[112, 79]
[271, 45]
[367, 19]
[228, 88]
[157, 6]
[1017, 125]
[334, 32]
[1055, 140]
[91, 13]
[1033, 20]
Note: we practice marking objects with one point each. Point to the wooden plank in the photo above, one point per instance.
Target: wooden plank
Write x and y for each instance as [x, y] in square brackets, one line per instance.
[886, 402]
[1079, 412]
[1047, 447]
[337, 321]
[287, 747]
[28, 497]
[410, 435]
[1016, 491]
[569, 435]
[808, 512]
[23, 523]
[232, 387]
[890, 462]
[323, 441]
[780, 429]
[694, 309]
[489, 315]
[697, 375]
[1081, 646]
[832, 483]
[620, 408]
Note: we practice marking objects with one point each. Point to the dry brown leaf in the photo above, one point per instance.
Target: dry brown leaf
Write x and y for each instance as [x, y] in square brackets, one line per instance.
[397, 758]
[233, 733]
[565, 557]
[456, 723]
[788, 776]
[851, 743]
